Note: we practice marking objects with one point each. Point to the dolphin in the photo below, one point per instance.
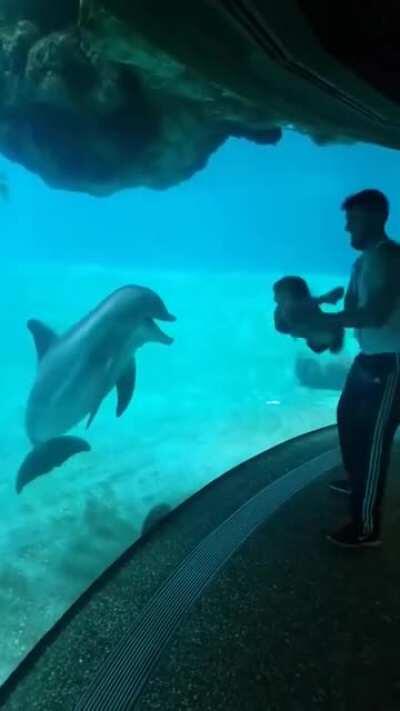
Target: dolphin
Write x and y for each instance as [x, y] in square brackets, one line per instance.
[76, 370]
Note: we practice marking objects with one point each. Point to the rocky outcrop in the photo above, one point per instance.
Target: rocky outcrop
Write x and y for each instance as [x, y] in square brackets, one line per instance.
[100, 95]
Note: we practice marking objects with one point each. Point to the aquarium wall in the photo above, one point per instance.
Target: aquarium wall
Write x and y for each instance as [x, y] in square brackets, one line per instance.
[226, 389]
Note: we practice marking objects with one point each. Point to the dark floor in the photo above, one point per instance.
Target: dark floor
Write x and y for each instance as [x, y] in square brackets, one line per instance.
[290, 624]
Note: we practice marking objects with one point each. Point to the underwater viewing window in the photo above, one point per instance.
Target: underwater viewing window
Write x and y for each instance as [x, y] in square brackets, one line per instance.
[229, 386]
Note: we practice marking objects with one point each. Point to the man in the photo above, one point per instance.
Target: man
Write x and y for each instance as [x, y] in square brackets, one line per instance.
[368, 409]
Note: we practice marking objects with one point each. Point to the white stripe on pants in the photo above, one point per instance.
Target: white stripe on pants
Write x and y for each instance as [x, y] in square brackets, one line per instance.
[374, 470]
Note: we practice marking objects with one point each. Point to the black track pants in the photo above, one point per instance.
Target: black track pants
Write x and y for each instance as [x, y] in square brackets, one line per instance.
[367, 417]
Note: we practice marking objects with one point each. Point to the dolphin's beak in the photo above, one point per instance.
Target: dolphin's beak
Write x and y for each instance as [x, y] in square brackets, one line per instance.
[165, 339]
[167, 317]
[156, 334]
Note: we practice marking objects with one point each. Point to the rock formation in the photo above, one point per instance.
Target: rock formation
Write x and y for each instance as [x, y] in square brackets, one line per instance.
[101, 95]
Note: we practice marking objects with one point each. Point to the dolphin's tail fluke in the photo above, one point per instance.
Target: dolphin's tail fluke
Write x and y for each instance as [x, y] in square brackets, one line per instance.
[47, 456]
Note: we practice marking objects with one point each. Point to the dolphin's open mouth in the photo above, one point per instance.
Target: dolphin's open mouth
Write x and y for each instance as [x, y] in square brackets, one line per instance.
[157, 334]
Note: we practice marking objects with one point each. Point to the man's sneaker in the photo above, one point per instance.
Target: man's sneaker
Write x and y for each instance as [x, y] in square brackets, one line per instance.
[340, 486]
[349, 537]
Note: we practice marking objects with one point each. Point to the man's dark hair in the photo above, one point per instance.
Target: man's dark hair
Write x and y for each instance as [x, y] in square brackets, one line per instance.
[370, 200]
[295, 285]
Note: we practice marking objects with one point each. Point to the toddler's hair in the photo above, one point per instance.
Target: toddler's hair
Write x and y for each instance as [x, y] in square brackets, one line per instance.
[295, 285]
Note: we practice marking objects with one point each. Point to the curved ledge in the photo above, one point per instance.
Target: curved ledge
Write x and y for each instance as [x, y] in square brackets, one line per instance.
[137, 575]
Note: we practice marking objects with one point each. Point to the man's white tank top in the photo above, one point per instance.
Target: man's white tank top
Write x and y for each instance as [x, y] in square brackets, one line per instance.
[386, 338]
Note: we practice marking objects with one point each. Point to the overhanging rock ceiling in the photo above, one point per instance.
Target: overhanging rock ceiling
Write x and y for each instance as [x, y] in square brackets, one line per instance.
[100, 95]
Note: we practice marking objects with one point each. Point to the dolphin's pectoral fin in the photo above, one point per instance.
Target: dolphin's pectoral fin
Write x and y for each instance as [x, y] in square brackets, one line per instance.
[125, 387]
[94, 413]
[47, 456]
[43, 336]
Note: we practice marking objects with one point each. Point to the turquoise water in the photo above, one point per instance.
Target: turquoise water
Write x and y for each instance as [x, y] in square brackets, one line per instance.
[224, 391]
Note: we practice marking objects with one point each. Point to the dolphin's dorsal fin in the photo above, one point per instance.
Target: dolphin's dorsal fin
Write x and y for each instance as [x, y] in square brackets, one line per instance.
[43, 336]
[125, 386]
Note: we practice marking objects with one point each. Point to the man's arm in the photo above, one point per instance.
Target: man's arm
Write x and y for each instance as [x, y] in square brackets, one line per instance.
[351, 297]
[382, 274]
